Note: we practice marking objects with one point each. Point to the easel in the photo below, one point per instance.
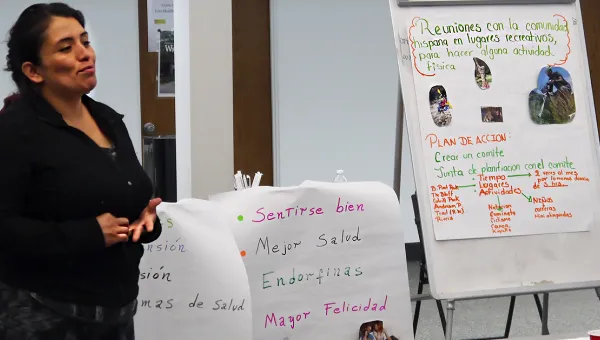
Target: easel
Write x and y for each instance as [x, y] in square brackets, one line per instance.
[543, 306]
[423, 280]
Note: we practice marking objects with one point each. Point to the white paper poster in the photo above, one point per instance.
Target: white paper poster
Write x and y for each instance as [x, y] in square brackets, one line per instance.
[160, 17]
[324, 260]
[506, 129]
[193, 283]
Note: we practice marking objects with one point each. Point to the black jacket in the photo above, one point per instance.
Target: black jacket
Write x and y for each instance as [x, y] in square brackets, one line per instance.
[54, 182]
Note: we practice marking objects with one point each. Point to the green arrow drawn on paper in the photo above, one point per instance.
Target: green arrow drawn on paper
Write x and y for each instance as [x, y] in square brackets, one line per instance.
[499, 205]
[520, 175]
[528, 197]
[466, 186]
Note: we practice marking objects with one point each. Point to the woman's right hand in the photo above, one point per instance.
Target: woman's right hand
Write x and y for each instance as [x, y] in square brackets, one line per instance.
[115, 230]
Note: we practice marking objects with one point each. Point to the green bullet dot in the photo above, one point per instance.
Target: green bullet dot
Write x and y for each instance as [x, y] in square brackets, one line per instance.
[240, 218]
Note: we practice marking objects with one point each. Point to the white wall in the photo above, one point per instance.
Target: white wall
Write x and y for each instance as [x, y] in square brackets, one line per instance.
[204, 101]
[113, 27]
[335, 90]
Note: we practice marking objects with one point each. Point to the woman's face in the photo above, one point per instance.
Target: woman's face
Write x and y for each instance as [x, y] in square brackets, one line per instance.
[67, 60]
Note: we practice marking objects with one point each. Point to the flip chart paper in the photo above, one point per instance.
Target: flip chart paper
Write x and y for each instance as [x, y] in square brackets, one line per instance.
[505, 120]
[322, 259]
[193, 283]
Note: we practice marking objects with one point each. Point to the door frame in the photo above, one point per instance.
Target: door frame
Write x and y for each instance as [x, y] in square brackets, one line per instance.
[252, 100]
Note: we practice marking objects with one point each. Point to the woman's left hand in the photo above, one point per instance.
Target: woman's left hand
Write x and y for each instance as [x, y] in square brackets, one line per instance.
[146, 220]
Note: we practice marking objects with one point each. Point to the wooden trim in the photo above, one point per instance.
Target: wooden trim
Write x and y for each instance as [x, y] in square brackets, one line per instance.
[252, 106]
[158, 110]
[591, 25]
[143, 49]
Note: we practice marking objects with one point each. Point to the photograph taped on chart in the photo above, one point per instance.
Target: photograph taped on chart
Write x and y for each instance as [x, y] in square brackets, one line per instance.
[553, 101]
[441, 110]
[483, 74]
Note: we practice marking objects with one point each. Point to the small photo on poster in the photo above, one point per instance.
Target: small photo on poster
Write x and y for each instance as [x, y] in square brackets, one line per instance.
[441, 110]
[374, 330]
[553, 101]
[166, 64]
[483, 74]
[491, 114]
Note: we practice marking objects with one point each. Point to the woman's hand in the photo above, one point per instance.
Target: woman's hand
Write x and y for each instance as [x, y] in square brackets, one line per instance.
[146, 220]
[115, 229]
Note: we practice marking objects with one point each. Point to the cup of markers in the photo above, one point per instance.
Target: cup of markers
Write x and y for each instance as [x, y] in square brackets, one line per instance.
[242, 181]
[594, 335]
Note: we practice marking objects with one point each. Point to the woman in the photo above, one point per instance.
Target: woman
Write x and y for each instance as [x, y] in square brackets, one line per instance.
[75, 204]
[379, 332]
[366, 332]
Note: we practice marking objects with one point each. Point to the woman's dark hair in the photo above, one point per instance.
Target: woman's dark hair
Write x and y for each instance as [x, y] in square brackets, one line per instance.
[27, 36]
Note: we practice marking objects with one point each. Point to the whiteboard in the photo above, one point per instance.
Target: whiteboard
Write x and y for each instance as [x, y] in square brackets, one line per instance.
[525, 261]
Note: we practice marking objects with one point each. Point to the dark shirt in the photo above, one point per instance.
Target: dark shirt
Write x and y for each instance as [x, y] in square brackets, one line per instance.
[556, 80]
[54, 182]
